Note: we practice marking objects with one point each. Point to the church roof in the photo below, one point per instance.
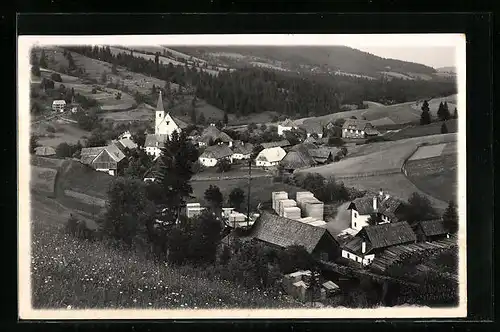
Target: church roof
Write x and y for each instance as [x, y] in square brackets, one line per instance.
[159, 104]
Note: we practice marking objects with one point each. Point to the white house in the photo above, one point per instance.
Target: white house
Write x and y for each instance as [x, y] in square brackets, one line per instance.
[59, 105]
[126, 134]
[270, 156]
[373, 240]
[382, 206]
[286, 125]
[165, 126]
[212, 154]
[354, 128]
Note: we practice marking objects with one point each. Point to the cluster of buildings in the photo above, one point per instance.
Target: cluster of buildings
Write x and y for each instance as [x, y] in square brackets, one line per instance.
[110, 158]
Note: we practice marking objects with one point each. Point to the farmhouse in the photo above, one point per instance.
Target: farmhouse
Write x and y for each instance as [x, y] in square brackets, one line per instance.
[270, 156]
[312, 128]
[109, 159]
[59, 105]
[354, 128]
[282, 232]
[242, 150]
[215, 153]
[386, 208]
[323, 155]
[45, 151]
[165, 126]
[212, 135]
[283, 144]
[286, 126]
[125, 143]
[373, 240]
[431, 230]
[296, 160]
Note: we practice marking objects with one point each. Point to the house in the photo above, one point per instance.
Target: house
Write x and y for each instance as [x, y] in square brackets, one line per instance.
[312, 128]
[383, 206]
[286, 126]
[109, 159]
[323, 155]
[373, 240]
[59, 105]
[354, 128]
[212, 134]
[165, 126]
[124, 144]
[242, 150]
[297, 158]
[214, 154]
[282, 232]
[45, 151]
[282, 143]
[431, 230]
[270, 156]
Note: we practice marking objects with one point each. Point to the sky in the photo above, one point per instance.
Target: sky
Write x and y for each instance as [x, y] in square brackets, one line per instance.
[431, 56]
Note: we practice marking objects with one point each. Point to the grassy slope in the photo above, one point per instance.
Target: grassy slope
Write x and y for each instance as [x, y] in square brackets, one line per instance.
[71, 272]
[426, 130]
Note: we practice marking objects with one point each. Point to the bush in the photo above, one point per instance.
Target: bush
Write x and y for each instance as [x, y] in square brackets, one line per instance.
[94, 91]
[223, 166]
[56, 77]
[51, 129]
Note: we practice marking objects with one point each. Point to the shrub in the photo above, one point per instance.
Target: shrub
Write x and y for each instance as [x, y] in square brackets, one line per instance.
[51, 129]
[56, 77]
[94, 91]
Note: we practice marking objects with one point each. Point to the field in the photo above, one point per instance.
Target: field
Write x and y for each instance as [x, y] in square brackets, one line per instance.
[425, 130]
[260, 191]
[43, 180]
[68, 273]
[436, 173]
[65, 132]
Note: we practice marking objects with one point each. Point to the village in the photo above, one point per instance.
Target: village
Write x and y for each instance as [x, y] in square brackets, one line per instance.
[322, 211]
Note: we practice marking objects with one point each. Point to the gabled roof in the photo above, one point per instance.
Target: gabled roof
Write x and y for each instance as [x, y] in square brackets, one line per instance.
[181, 124]
[45, 151]
[296, 159]
[243, 148]
[312, 127]
[433, 227]
[89, 154]
[152, 139]
[273, 154]
[114, 152]
[386, 206]
[213, 133]
[355, 124]
[284, 232]
[217, 152]
[281, 143]
[386, 235]
[303, 147]
[323, 153]
[288, 123]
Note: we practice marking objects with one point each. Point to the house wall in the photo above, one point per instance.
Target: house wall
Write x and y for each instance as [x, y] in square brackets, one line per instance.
[153, 151]
[319, 135]
[364, 260]
[353, 133]
[281, 129]
[239, 156]
[208, 162]
[327, 248]
[164, 124]
[358, 221]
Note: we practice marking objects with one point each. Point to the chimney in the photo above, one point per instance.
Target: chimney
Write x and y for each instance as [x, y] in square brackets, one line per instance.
[363, 247]
[375, 203]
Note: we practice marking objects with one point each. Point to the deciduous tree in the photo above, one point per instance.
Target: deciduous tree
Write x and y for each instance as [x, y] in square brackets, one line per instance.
[236, 198]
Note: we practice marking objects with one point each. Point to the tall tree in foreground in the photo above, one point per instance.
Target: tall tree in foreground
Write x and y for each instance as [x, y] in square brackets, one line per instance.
[205, 238]
[129, 213]
[236, 198]
[177, 157]
[450, 217]
[425, 118]
[214, 197]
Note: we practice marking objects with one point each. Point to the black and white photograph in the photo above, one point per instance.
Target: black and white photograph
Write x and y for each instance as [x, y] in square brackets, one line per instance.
[242, 176]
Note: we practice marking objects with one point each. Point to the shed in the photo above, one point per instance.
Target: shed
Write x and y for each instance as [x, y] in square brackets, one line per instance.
[431, 230]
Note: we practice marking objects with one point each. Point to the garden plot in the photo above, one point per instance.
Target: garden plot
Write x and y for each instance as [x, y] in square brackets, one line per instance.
[43, 180]
[90, 200]
[428, 151]
[106, 97]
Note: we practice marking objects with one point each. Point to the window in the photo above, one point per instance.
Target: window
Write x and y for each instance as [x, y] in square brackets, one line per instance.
[354, 224]
[168, 122]
[355, 215]
[159, 115]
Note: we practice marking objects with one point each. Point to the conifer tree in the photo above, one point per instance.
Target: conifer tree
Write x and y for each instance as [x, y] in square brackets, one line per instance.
[425, 118]
[43, 60]
[450, 217]
[455, 114]
[444, 128]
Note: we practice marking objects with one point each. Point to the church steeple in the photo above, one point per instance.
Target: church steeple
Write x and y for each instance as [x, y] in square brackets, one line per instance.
[160, 114]
[159, 104]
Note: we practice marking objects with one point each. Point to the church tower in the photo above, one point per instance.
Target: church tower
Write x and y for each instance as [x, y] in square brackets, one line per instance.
[160, 114]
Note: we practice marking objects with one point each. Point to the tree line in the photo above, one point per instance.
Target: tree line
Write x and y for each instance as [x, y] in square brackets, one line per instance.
[255, 90]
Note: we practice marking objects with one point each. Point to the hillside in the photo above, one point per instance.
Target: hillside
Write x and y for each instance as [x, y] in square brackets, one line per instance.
[333, 58]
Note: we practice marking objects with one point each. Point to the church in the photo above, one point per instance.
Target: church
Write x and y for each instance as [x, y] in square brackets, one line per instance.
[165, 125]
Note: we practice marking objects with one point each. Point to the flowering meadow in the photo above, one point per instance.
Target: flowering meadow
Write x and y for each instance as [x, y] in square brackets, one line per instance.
[67, 272]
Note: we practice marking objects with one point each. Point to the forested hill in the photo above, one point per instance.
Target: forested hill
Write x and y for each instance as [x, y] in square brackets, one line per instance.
[253, 90]
[341, 58]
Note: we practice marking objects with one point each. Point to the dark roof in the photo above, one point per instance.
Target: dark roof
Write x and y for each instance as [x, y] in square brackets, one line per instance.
[213, 133]
[152, 139]
[386, 206]
[296, 159]
[355, 124]
[281, 143]
[303, 147]
[313, 126]
[386, 235]
[217, 152]
[433, 227]
[323, 153]
[284, 232]
[243, 148]
[310, 140]
[181, 124]
[288, 123]
[354, 245]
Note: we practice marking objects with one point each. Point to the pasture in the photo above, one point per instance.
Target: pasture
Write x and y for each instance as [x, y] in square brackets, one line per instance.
[425, 130]
[69, 273]
[435, 171]
[143, 113]
[43, 180]
[106, 97]
[65, 132]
